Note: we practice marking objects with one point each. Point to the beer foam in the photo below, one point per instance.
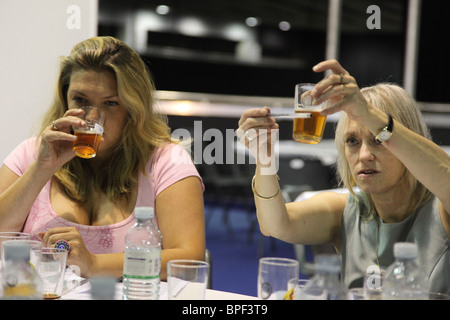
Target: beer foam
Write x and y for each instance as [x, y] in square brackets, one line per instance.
[91, 129]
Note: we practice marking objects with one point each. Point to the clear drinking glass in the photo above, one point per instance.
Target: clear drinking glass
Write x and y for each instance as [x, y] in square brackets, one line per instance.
[277, 278]
[308, 130]
[52, 269]
[187, 279]
[89, 137]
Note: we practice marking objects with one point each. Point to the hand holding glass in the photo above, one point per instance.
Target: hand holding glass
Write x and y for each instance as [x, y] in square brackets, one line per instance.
[89, 137]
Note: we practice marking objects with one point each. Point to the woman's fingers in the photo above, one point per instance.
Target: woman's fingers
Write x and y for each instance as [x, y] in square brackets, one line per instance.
[332, 65]
[253, 113]
[66, 122]
[336, 94]
[340, 90]
[50, 237]
[253, 120]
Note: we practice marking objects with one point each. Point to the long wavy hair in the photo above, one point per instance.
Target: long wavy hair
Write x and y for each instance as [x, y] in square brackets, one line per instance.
[143, 132]
[394, 100]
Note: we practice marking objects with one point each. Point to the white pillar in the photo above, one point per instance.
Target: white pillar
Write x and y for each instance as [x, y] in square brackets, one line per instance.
[333, 29]
[412, 47]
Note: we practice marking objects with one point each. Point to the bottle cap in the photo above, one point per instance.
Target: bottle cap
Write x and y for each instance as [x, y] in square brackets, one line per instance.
[16, 250]
[328, 263]
[405, 250]
[143, 213]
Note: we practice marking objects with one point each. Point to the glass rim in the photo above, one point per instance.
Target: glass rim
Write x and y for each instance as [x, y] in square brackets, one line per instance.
[187, 263]
[89, 107]
[48, 250]
[100, 120]
[22, 241]
[279, 261]
[305, 84]
[14, 234]
[84, 108]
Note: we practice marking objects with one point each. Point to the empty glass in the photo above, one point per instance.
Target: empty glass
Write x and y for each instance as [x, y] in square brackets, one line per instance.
[187, 279]
[52, 269]
[277, 278]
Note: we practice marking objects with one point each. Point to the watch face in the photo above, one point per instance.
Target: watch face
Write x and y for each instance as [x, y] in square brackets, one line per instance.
[384, 135]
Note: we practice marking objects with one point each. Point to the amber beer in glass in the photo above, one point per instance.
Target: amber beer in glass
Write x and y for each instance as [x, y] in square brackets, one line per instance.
[307, 130]
[87, 144]
[89, 137]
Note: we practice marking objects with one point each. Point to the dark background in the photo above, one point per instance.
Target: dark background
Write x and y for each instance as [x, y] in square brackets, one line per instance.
[371, 56]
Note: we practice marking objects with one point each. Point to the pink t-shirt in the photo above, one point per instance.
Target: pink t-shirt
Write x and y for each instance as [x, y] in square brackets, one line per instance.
[169, 164]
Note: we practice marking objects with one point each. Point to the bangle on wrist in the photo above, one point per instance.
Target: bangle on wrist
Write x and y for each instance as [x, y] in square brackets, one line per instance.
[262, 197]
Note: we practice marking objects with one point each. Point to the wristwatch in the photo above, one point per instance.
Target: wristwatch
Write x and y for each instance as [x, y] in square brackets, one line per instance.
[386, 133]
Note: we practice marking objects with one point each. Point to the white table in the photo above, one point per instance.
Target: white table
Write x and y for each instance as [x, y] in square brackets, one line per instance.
[80, 290]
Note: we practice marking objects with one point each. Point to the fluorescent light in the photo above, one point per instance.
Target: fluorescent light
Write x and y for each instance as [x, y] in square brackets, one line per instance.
[162, 9]
[284, 25]
[252, 21]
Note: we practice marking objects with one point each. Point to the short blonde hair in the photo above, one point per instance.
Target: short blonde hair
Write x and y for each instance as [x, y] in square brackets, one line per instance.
[394, 100]
[143, 132]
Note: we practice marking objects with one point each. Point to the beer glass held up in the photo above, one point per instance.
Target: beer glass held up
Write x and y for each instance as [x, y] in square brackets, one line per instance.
[89, 138]
[308, 130]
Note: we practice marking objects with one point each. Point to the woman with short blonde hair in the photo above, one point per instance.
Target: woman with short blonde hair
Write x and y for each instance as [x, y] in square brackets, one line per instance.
[386, 97]
[385, 150]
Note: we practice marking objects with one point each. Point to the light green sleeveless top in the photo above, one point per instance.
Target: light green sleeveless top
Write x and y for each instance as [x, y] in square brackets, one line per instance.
[358, 243]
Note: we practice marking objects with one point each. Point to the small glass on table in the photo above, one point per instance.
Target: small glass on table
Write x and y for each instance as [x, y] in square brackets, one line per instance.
[277, 278]
[187, 279]
[51, 269]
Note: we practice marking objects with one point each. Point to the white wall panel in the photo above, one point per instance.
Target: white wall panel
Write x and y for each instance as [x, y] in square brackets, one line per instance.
[33, 35]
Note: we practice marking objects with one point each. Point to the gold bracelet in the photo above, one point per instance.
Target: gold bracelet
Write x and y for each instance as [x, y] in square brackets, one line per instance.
[261, 197]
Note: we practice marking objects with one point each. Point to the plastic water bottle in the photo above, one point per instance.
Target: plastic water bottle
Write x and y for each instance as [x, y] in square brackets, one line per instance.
[404, 279]
[19, 280]
[142, 258]
[325, 284]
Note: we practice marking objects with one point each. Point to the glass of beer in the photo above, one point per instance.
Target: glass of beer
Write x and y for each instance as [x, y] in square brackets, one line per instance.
[89, 137]
[308, 130]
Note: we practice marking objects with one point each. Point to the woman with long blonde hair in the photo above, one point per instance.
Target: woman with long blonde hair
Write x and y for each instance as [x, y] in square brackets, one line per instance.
[385, 150]
[47, 191]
